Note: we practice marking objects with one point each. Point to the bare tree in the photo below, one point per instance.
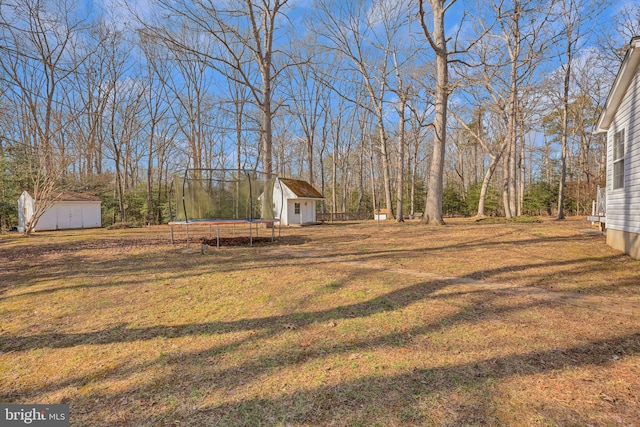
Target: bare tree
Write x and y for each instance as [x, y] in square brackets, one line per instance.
[189, 84]
[37, 57]
[615, 36]
[494, 150]
[122, 125]
[403, 91]
[306, 96]
[90, 88]
[157, 109]
[576, 17]
[350, 29]
[438, 42]
[242, 34]
[522, 37]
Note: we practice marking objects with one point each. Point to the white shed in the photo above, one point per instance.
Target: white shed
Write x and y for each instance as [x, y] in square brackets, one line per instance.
[298, 201]
[69, 211]
[621, 121]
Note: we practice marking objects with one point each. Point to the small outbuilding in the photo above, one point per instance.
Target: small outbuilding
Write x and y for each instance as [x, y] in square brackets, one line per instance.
[298, 200]
[380, 214]
[69, 211]
[621, 122]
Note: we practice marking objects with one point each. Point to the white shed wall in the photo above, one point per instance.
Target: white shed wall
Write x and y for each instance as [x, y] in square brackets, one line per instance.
[623, 204]
[66, 215]
[292, 218]
[25, 210]
[280, 196]
[62, 215]
[289, 199]
[307, 211]
[48, 220]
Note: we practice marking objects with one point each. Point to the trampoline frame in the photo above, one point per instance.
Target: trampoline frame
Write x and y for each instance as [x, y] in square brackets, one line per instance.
[217, 222]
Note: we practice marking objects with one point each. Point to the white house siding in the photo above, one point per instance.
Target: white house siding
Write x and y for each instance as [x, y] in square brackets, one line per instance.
[623, 204]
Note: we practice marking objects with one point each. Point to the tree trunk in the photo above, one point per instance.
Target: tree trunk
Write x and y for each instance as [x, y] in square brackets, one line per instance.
[267, 137]
[505, 184]
[485, 185]
[150, 176]
[334, 196]
[400, 182]
[385, 170]
[433, 208]
[564, 129]
[373, 179]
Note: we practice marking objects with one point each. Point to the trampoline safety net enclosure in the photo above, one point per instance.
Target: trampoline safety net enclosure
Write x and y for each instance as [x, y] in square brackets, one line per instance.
[224, 196]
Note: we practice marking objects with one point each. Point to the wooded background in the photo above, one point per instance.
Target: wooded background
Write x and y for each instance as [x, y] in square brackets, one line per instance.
[426, 107]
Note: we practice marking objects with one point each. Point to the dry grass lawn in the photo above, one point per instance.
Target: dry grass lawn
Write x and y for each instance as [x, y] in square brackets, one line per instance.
[342, 325]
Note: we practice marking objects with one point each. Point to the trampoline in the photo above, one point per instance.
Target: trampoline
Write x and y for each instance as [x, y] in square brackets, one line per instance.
[224, 197]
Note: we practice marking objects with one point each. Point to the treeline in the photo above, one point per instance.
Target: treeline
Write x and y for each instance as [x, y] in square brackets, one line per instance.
[489, 107]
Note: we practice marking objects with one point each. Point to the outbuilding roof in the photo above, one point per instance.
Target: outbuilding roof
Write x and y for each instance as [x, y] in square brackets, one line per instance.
[70, 196]
[301, 188]
[78, 197]
[624, 78]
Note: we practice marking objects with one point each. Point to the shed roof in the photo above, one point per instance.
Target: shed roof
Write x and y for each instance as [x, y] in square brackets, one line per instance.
[620, 85]
[301, 188]
[70, 196]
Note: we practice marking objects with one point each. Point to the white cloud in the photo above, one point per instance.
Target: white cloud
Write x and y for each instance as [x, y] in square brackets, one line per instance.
[121, 13]
[390, 10]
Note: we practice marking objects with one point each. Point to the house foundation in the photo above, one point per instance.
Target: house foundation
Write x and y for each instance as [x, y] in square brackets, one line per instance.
[624, 241]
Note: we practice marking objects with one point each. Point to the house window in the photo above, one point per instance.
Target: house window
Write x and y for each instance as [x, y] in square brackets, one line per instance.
[296, 208]
[618, 160]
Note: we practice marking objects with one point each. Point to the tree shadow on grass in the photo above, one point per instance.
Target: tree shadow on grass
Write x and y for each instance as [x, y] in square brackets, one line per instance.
[465, 392]
[265, 328]
[397, 399]
[346, 402]
[387, 302]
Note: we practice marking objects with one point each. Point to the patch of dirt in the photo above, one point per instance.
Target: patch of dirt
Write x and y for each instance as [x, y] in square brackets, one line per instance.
[255, 241]
[237, 241]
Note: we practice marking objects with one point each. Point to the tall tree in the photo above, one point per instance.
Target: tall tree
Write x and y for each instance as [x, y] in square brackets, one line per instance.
[365, 35]
[576, 17]
[36, 59]
[306, 95]
[243, 33]
[435, 35]
[157, 109]
[522, 31]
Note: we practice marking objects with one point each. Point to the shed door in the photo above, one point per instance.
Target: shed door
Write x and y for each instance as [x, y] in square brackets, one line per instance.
[308, 209]
[69, 216]
[294, 216]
